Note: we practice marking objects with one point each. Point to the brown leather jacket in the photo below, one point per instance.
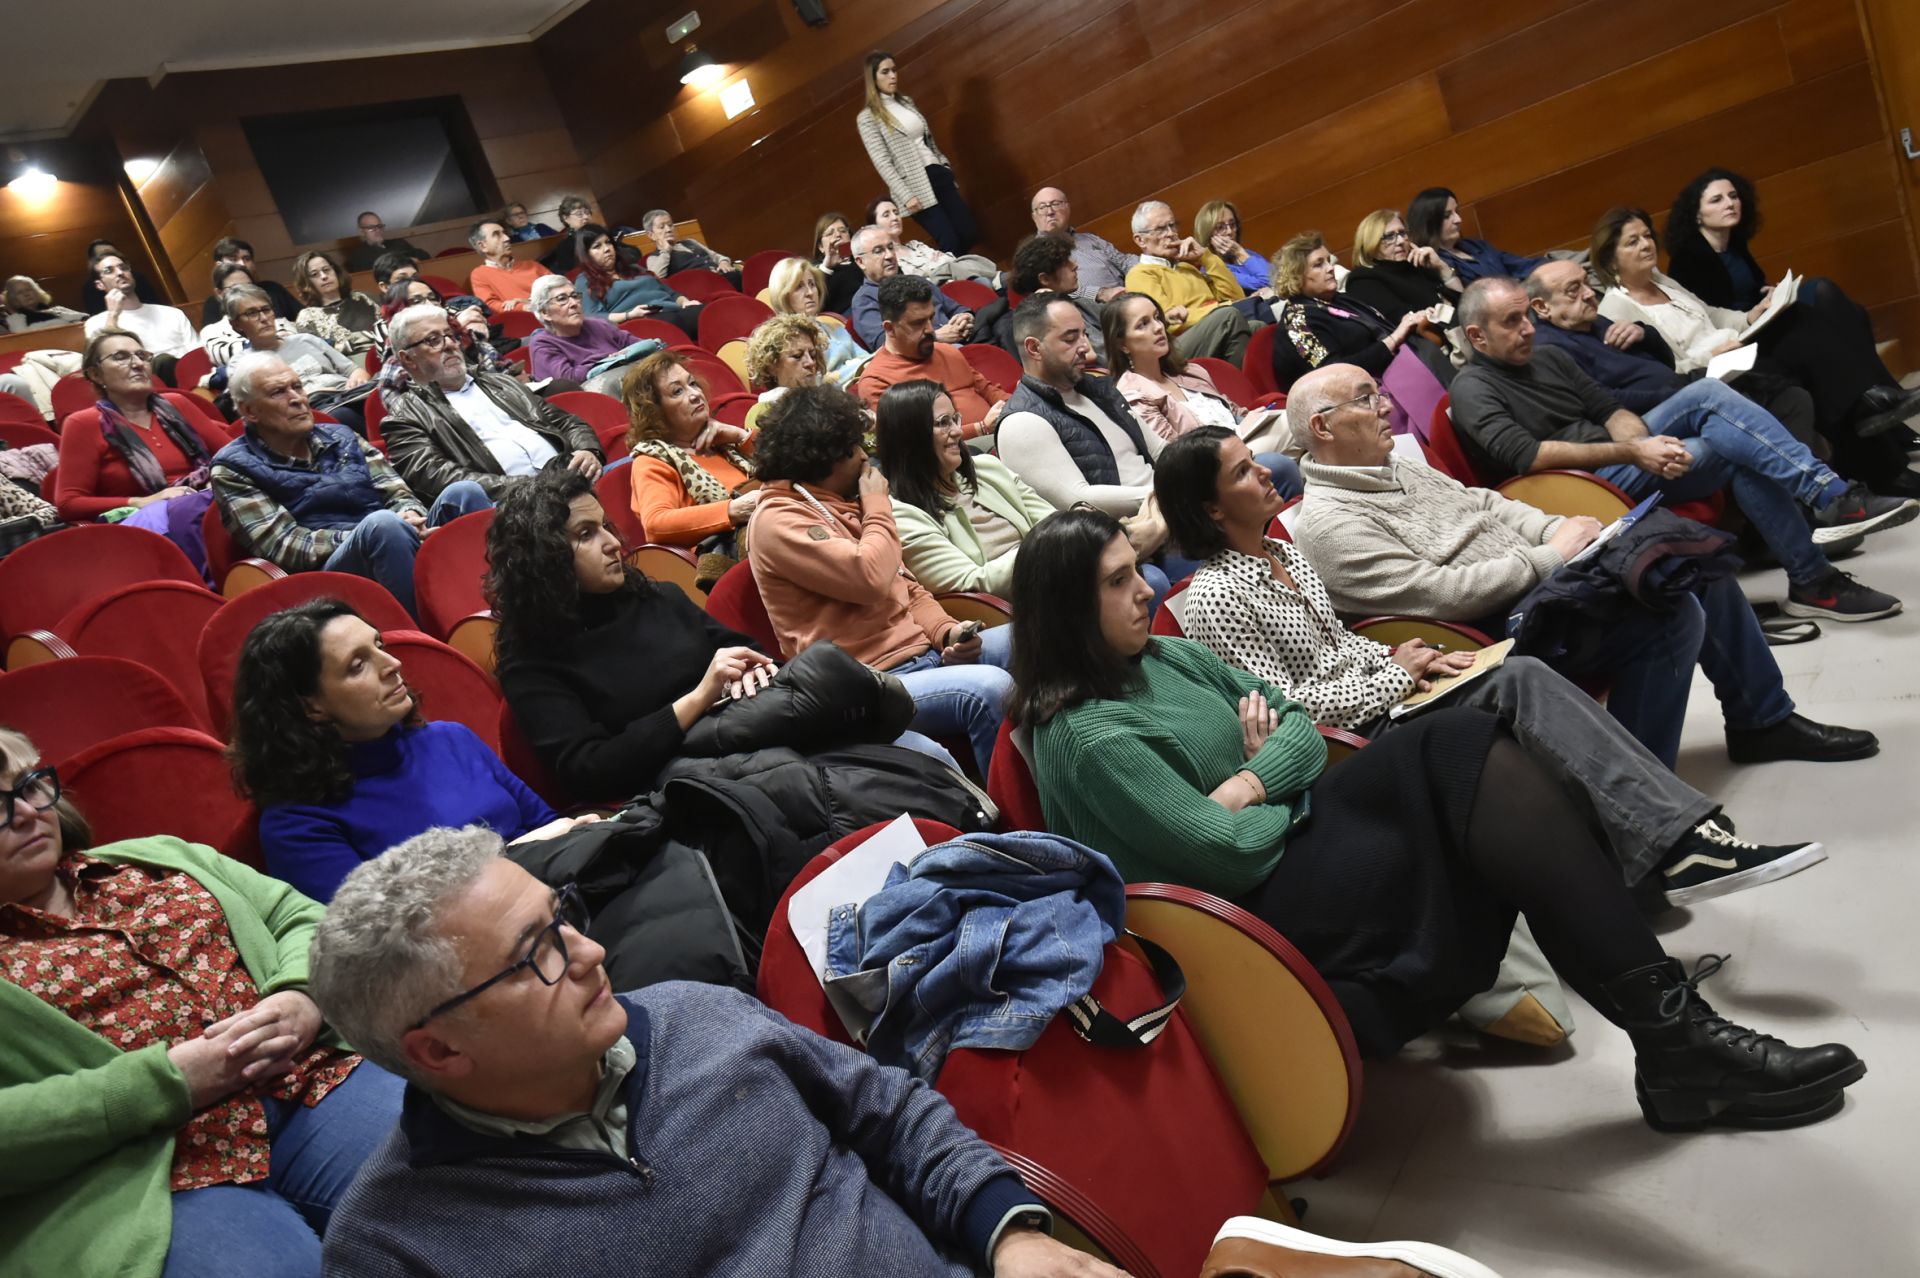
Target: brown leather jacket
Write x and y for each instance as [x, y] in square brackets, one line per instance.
[432, 446]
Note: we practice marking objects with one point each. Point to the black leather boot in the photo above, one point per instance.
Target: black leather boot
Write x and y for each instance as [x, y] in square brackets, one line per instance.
[1693, 1067]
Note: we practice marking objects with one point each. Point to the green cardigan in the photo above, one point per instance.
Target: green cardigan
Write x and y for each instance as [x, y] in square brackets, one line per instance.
[86, 1130]
[946, 555]
[1131, 776]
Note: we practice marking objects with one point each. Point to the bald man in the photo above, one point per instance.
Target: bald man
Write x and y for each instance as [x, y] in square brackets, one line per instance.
[1103, 268]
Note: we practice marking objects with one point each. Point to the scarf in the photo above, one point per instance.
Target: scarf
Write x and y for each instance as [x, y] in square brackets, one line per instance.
[702, 488]
[123, 437]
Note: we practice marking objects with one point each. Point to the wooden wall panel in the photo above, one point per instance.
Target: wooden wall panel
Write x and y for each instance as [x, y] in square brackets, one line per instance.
[47, 237]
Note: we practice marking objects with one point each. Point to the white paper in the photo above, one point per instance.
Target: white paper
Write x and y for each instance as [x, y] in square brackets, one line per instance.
[1730, 364]
[849, 881]
[1782, 297]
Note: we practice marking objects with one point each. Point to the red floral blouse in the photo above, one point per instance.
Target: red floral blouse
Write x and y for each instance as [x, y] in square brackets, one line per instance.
[147, 958]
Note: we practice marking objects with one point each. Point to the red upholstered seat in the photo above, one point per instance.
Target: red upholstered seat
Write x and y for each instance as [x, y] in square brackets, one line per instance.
[757, 271]
[733, 408]
[192, 368]
[44, 580]
[994, 364]
[448, 683]
[15, 409]
[159, 781]
[725, 319]
[190, 404]
[701, 285]
[734, 602]
[1229, 381]
[156, 623]
[1445, 451]
[520, 324]
[712, 373]
[1257, 363]
[71, 394]
[1010, 784]
[447, 287]
[614, 488]
[373, 412]
[1166, 618]
[218, 651]
[971, 294]
[447, 573]
[67, 706]
[523, 763]
[25, 434]
[656, 329]
[607, 416]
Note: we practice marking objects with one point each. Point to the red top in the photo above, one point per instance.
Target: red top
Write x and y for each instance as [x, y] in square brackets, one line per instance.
[147, 958]
[94, 478]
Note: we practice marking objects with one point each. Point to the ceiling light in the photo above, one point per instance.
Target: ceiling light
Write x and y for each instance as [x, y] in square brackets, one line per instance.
[35, 184]
[699, 70]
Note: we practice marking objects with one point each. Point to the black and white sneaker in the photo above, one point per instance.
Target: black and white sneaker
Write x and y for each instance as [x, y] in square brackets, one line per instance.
[1711, 861]
[1838, 597]
[1859, 511]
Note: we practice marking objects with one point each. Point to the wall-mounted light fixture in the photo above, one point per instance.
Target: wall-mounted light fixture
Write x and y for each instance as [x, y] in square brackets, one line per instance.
[34, 184]
[699, 70]
[139, 170]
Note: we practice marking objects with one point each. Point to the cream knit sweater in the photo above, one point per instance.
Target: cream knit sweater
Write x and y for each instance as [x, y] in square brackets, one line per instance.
[1407, 539]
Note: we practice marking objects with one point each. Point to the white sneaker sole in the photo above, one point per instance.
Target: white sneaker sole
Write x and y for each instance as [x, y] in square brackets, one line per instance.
[1904, 513]
[1773, 871]
[1426, 1257]
[1795, 609]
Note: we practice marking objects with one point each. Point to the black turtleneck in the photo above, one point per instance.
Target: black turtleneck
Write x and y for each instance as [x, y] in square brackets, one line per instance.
[598, 709]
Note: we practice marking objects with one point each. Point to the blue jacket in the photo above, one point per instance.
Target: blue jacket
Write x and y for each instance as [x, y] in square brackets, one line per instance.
[1081, 438]
[1488, 260]
[977, 943]
[1640, 377]
[334, 490]
[864, 314]
[405, 783]
[754, 1149]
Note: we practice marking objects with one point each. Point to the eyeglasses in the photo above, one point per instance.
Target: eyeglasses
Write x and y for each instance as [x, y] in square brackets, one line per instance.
[373, 226]
[1050, 206]
[435, 340]
[568, 296]
[1373, 400]
[39, 790]
[128, 358]
[1165, 228]
[253, 313]
[1389, 237]
[547, 956]
[950, 422]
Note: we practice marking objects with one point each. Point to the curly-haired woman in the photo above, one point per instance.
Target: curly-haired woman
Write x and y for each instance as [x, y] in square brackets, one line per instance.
[337, 315]
[328, 740]
[693, 477]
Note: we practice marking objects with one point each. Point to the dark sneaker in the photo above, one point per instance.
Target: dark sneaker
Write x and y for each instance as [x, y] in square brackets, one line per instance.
[1711, 861]
[1858, 510]
[1838, 597]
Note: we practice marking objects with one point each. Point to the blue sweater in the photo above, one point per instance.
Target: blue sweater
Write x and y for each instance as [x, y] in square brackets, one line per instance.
[755, 1149]
[1487, 260]
[408, 781]
[1640, 377]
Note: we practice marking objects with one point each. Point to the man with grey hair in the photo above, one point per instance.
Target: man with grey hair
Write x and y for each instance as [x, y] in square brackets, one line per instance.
[451, 424]
[1391, 536]
[671, 254]
[1193, 286]
[306, 494]
[875, 253]
[503, 282]
[1103, 268]
[324, 372]
[552, 1125]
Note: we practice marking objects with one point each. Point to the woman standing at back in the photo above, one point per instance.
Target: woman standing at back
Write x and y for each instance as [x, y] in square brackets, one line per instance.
[919, 177]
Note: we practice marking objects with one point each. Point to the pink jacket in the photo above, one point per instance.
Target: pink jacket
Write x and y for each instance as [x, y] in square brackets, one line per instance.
[1159, 411]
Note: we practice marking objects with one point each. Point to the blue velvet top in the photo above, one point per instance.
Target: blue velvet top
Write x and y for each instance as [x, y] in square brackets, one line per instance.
[407, 782]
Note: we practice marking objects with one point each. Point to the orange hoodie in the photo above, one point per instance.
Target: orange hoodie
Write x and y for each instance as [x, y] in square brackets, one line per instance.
[842, 580]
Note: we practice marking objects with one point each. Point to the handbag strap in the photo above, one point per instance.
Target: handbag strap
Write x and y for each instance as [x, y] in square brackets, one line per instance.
[1102, 1028]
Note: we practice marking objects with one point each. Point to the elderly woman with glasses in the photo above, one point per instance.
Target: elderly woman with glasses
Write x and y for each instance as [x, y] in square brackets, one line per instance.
[1394, 275]
[171, 1102]
[30, 306]
[578, 346]
[339, 316]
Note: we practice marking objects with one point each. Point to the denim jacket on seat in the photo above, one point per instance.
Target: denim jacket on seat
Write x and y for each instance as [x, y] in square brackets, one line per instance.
[977, 943]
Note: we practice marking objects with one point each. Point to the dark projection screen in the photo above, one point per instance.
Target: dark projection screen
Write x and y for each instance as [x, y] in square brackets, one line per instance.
[411, 162]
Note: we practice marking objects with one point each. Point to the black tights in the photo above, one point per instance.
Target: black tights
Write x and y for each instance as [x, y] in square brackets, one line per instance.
[1528, 840]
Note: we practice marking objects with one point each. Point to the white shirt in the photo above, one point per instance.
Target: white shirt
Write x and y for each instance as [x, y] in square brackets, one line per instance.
[1692, 329]
[518, 450]
[1031, 449]
[913, 125]
[163, 330]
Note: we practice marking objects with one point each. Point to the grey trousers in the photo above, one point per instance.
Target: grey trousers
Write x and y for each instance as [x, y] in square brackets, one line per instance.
[1637, 802]
[1222, 333]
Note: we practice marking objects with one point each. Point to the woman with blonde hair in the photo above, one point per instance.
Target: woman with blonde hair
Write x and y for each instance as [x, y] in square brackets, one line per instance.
[798, 287]
[899, 141]
[339, 316]
[1217, 226]
[693, 479]
[1394, 275]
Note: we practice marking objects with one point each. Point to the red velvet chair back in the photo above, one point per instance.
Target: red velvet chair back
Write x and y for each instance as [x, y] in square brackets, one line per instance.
[1257, 363]
[521, 324]
[994, 364]
[1166, 620]
[712, 372]
[71, 394]
[25, 434]
[757, 271]
[218, 652]
[447, 573]
[1010, 784]
[449, 684]
[158, 781]
[735, 602]
[656, 329]
[190, 368]
[67, 706]
[735, 316]
[607, 416]
[1444, 450]
[701, 285]
[733, 409]
[614, 488]
[44, 580]
[445, 286]
[373, 412]
[1228, 380]
[156, 623]
[191, 406]
[971, 294]
[525, 764]
[15, 409]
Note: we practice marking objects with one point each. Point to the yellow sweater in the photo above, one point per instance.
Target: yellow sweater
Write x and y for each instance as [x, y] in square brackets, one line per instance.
[1185, 284]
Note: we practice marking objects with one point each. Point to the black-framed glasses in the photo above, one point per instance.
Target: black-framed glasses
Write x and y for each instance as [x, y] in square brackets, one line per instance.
[1050, 206]
[1389, 237]
[1372, 400]
[435, 340]
[38, 789]
[547, 956]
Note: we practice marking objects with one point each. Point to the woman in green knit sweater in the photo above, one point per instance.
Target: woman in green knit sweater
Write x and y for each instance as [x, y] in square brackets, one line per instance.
[170, 1103]
[1398, 874]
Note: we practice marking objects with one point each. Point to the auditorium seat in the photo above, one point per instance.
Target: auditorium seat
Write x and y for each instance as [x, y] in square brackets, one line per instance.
[448, 289]
[44, 580]
[713, 374]
[971, 294]
[733, 408]
[735, 602]
[373, 412]
[447, 574]
[67, 706]
[156, 623]
[232, 572]
[1231, 382]
[701, 285]
[614, 488]
[994, 364]
[607, 416]
[15, 409]
[71, 394]
[192, 368]
[658, 330]
[158, 781]
[521, 324]
[1257, 363]
[25, 434]
[734, 355]
[449, 684]
[757, 270]
[729, 318]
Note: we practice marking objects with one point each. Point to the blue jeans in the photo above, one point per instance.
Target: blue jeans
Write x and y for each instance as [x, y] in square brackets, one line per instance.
[382, 545]
[272, 1228]
[968, 698]
[1737, 444]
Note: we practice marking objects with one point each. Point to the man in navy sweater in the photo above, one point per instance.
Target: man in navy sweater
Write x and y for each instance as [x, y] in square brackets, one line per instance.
[554, 1127]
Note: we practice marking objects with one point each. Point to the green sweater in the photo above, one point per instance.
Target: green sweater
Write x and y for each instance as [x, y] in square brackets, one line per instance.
[1131, 777]
[86, 1130]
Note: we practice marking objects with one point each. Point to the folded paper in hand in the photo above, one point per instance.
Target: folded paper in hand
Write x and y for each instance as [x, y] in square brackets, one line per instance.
[1780, 299]
[1486, 659]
